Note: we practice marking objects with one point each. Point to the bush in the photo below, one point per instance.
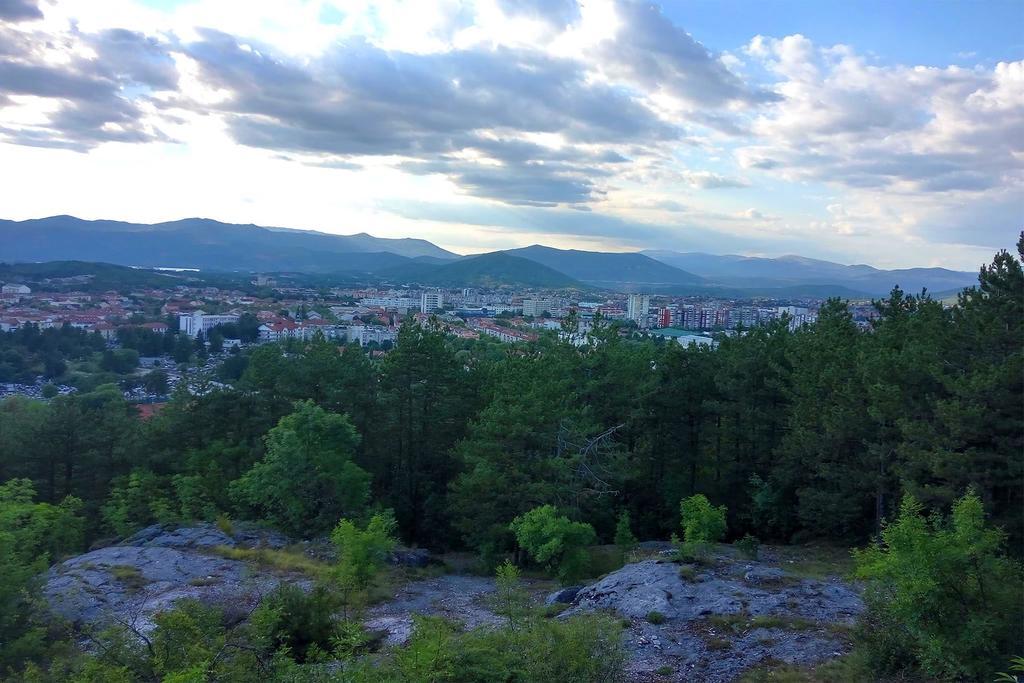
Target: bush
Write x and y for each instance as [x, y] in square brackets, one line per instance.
[511, 600]
[363, 552]
[579, 649]
[31, 535]
[941, 597]
[748, 546]
[655, 617]
[555, 541]
[624, 537]
[703, 524]
[300, 622]
[224, 524]
[136, 500]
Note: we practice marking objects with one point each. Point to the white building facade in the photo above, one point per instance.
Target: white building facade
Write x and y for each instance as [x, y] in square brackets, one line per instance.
[197, 321]
[431, 301]
[637, 308]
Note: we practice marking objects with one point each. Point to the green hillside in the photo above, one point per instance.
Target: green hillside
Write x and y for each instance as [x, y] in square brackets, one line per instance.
[487, 270]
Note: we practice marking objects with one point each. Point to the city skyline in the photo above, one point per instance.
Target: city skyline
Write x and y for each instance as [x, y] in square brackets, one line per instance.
[882, 137]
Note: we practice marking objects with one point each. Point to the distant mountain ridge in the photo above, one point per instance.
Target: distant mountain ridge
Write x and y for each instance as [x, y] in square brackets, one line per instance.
[608, 269]
[203, 243]
[215, 246]
[751, 272]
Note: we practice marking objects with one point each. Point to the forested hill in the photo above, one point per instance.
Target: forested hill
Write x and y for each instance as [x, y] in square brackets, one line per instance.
[203, 243]
[91, 276]
[536, 452]
[486, 270]
[211, 245]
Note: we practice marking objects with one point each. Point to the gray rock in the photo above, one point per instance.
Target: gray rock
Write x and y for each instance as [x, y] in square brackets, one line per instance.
[764, 575]
[564, 596]
[464, 599]
[682, 640]
[659, 546]
[411, 557]
[199, 536]
[130, 584]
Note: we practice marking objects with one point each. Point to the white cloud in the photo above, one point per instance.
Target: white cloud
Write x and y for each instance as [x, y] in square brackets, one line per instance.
[607, 106]
[905, 144]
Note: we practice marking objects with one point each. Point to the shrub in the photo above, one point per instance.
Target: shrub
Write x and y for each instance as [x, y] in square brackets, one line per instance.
[578, 649]
[555, 541]
[655, 617]
[363, 552]
[31, 535]
[748, 546]
[510, 601]
[136, 500]
[624, 537]
[941, 595]
[702, 522]
[302, 622]
[223, 523]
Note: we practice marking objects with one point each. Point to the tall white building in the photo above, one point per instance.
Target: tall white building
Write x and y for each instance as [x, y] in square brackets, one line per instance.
[430, 301]
[637, 308]
[197, 321]
[535, 307]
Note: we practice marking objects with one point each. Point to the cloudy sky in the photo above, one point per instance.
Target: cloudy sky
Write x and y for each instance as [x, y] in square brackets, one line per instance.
[889, 133]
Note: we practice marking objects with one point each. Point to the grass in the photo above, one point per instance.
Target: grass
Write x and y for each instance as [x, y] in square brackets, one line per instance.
[718, 644]
[655, 617]
[815, 561]
[688, 573]
[784, 622]
[549, 611]
[130, 577]
[741, 622]
[204, 581]
[664, 671]
[850, 668]
[284, 560]
[224, 524]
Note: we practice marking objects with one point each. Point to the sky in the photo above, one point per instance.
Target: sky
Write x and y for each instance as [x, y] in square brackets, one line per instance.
[888, 133]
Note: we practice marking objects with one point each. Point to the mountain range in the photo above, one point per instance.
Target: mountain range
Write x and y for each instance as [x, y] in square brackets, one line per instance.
[795, 272]
[215, 246]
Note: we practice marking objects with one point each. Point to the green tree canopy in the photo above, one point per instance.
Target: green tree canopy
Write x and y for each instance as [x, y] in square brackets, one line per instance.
[307, 479]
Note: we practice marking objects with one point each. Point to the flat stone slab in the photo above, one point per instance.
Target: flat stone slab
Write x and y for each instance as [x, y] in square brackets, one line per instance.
[128, 585]
[804, 618]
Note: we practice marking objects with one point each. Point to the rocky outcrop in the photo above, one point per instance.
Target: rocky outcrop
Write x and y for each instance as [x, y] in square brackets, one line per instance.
[463, 599]
[564, 596]
[129, 585]
[712, 623]
[149, 571]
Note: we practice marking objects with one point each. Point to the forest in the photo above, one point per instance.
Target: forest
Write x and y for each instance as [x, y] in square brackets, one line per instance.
[887, 439]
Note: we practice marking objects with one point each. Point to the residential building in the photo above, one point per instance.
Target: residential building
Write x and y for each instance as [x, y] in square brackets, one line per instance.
[431, 301]
[392, 302]
[197, 321]
[637, 308]
[536, 307]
